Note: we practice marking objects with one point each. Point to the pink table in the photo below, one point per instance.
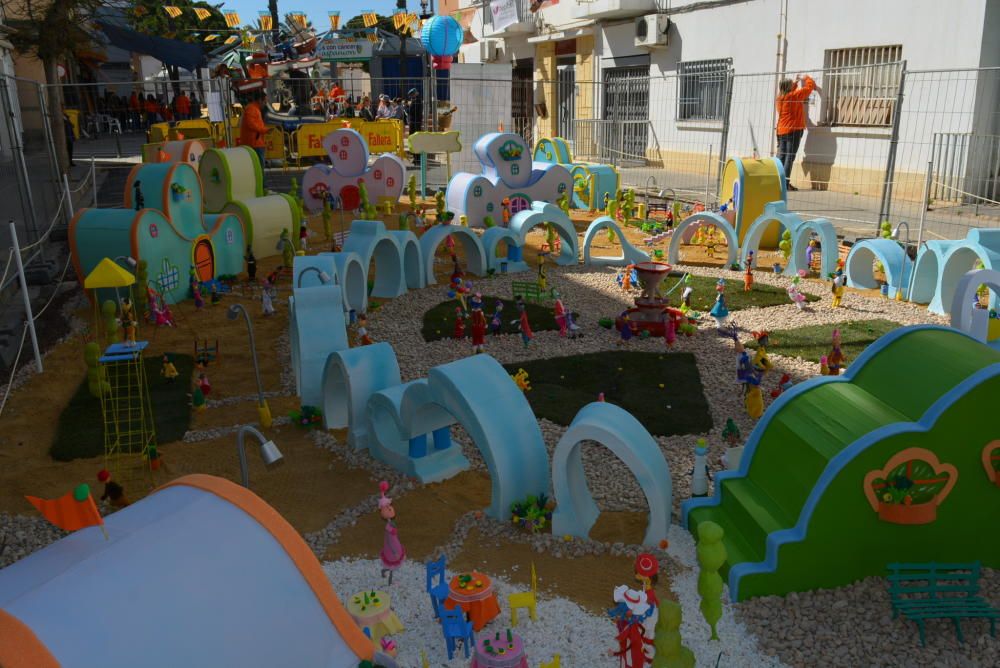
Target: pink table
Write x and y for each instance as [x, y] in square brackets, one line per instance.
[504, 654]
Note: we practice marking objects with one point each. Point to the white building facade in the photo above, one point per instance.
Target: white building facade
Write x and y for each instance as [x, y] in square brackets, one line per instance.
[669, 84]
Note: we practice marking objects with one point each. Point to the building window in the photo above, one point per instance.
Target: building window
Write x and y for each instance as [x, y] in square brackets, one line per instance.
[860, 85]
[701, 94]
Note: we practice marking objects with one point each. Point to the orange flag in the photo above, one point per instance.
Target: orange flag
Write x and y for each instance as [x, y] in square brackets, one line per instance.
[71, 511]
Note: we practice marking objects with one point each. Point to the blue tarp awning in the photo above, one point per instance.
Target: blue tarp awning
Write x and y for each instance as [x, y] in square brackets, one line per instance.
[169, 51]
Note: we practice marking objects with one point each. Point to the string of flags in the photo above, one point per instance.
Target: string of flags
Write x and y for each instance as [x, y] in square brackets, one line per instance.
[334, 19]
[232, 18]
[266, 22]
[369, 18]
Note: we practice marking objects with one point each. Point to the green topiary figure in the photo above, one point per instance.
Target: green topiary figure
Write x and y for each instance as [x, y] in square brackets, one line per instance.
[142, 288]
[711, 557]
[404, 223]
[785, 246]
[109, 311]
[97, 382]
[488, 222]
[670, 653]
[628, 203]
[294, 188]
[885, 230]
[286, 248]
[367, 208]
[411, 191]
[550, 236]
[327, 220]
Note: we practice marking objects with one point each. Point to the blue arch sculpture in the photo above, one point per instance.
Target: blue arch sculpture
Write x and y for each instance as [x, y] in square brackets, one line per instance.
[475, 255]
[930, 258]
[369, 240]
[316, 329]
[802, 235]
[351, 276]
[543, 212]
[975, 323]
[630, 254]
[413, 259]
[492, 238]
[942, 263]
[401, 419]
[774, 213]
[350, 377]
[621, 433]
[859, 266]
[495, 413]
[960, 259]
[703, 218]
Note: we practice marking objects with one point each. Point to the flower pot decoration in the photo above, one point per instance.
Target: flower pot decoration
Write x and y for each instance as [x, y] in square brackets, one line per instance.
[991, 461]
[910, 487]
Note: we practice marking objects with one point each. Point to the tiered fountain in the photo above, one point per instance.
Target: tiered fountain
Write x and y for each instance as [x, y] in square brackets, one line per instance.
[651, 310]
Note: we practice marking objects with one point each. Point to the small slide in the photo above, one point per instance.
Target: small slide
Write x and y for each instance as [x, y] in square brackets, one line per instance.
[795, 514]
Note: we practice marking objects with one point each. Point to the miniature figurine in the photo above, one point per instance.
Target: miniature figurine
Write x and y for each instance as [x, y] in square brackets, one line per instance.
[363, 338]
[686, 299]
[496, 323]
[199, 302]
[699, 473]
[393, 553]
[204, 385]
[835, 360]
[784, 383]
[459, 332]
[168, 370]
[542, 283]
[478, 327]
[113, 492]
[521, 380]
[559, 311]
[197, 399]
[748, 274]
[719, 310]
[625, 333]
[523, 324]
[128, 321]
[647, 570]
[635, 619]
[810, 252]
[303, 236]
[463, 221]
[505, 211]
[251, 264]
[837, 287]
[797, 297]
[411, 191]
[214, 296]
[572, 328]
[669, 330]
[267, 297]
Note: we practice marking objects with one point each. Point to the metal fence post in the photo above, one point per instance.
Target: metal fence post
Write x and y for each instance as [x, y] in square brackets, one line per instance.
[724, 139]
[93, 178]
[24, 294]
[70, 210]
[708, 180]
[890, 163]
[17, 149]
[43, 102]
[920, 226]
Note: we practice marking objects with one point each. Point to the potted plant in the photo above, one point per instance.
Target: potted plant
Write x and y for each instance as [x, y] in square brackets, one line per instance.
[910, 487]
[306, 417]
[533, 513]
[991, 461]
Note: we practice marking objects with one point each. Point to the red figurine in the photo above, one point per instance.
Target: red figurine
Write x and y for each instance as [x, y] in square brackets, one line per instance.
[459, 332]
[478, 325]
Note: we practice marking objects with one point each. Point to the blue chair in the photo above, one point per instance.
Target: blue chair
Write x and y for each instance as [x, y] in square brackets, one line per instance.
[439, 591]
[456, 628]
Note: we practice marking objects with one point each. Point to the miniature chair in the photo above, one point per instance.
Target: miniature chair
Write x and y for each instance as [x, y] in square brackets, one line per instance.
[524, 599]
[552, 664]
[438, 592]
[456, 628]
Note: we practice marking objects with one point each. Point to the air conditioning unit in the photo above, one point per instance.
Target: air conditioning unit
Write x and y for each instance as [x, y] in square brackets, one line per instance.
[489, 50]
[651, 30]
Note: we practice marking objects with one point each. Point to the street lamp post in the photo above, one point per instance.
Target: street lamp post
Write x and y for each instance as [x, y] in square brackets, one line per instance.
[269, 452]
[323, 276]
[262, 408]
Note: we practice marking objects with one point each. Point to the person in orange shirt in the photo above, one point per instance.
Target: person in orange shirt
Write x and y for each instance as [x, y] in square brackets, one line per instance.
[252, 128]
[182, 103]
[791, 105]
[336, 91]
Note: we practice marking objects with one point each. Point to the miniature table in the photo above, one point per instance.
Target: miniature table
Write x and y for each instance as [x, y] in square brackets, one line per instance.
[473, 592]
[492, 652]
[372, 610]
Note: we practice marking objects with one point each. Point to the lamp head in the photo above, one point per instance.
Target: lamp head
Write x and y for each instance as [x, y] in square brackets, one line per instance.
[270, 453]
[325, 277]
[233, 312]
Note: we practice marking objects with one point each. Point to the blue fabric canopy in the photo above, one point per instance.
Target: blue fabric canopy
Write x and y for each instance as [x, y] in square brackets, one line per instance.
[169, 51]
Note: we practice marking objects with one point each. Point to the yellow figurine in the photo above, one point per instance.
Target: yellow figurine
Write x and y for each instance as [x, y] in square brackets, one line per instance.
[168, 370]
[128, 321]
[521, 380]
[839, 281]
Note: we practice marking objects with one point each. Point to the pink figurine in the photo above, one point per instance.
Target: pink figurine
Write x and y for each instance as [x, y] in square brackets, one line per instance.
[560, 314]
[670, 330]
[196, 291]
[393, 553]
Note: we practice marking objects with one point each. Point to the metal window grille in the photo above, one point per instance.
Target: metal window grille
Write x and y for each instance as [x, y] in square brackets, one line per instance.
[522, 82]
[626, 98]
[566, 102]
[861, 85]
[701, 88]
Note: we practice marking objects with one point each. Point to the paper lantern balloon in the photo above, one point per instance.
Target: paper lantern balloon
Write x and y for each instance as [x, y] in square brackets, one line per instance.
[441, 36]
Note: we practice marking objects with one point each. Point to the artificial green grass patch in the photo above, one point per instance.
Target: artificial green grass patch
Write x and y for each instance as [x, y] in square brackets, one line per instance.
[561, 386]
[704, 293]
[439, 322]
[812, 342]
[80, 433]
